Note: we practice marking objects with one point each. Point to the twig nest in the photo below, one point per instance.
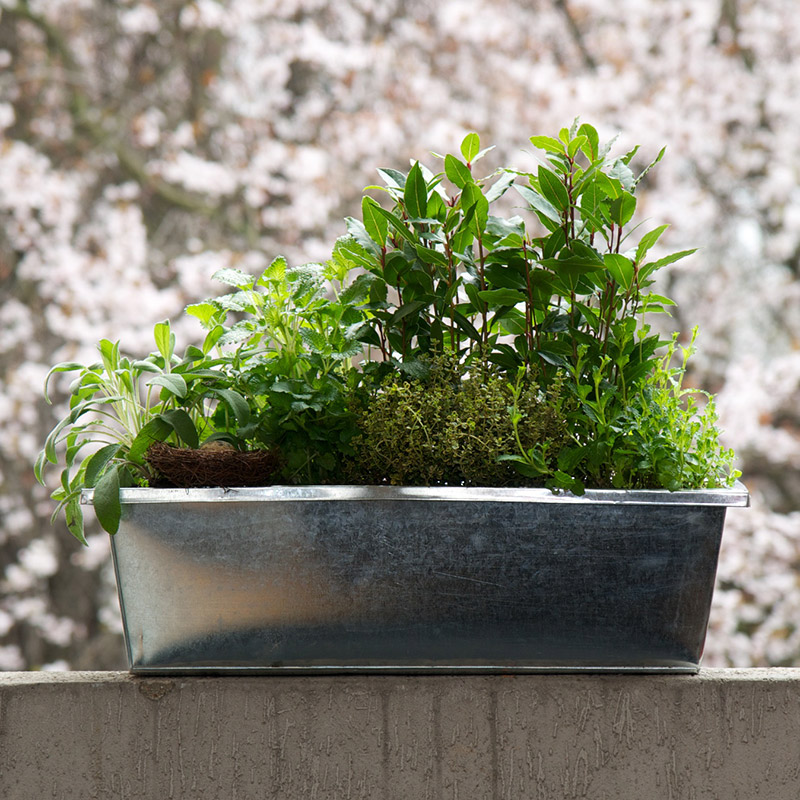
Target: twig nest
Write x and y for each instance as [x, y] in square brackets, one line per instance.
[215, 464]
[217, 445]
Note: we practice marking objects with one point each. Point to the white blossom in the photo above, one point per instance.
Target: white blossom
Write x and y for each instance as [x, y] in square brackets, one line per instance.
[11, 658]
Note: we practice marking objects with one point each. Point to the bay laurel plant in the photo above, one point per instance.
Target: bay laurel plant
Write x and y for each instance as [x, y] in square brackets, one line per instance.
[443, 342]
[557, 299]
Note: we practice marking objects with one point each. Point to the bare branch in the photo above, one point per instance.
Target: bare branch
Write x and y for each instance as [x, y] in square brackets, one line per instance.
[577, 35]
[86, 122]
[726, 33]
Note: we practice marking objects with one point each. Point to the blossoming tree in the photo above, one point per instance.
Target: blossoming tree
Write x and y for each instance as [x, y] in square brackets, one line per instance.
[144, 145]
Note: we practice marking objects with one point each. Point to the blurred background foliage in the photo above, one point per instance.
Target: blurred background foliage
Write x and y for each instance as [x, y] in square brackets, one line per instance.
[145, 144]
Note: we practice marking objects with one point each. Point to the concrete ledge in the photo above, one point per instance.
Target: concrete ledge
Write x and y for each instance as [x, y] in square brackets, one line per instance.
[720, 735]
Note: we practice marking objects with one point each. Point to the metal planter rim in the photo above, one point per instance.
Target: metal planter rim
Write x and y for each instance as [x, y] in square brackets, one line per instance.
[736, 496]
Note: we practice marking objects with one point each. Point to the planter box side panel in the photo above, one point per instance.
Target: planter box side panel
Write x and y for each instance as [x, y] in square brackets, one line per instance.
[415, 585]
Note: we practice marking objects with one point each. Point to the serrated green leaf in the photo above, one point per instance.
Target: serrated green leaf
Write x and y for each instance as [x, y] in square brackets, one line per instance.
[358, 290]
[305, 280]
[347, 351]
[237, 301]
[205, 312]
[276, 271]
[234, 277]
[315, 341]
[347, 247]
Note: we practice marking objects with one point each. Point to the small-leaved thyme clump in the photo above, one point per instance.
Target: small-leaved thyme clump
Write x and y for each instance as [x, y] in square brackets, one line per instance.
[451, 428]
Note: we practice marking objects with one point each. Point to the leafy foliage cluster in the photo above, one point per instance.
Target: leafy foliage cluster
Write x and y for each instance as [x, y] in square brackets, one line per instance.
[286, 341]
[564, 299]
[664, 438]
[450, 429]
[440, 344]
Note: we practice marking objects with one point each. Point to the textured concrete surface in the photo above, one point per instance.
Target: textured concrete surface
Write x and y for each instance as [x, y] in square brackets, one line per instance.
[721, 735]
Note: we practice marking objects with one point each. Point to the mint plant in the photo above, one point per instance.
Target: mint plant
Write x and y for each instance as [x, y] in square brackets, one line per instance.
[288, 351]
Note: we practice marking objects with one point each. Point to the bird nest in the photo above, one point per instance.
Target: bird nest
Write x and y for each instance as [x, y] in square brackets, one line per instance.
[212, 466]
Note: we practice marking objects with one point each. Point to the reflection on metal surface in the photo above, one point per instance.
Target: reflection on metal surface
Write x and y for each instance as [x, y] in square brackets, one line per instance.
[295, 579]
[735, 496]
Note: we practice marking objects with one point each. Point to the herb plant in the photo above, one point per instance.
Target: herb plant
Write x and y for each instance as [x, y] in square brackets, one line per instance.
[447, 428]
[442, 343]
[286, 346]
[560, 296]
[121, 405]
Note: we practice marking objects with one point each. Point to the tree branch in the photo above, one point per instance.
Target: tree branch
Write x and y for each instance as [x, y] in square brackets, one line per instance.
[577, 36]
[84, 121]
[729, 19]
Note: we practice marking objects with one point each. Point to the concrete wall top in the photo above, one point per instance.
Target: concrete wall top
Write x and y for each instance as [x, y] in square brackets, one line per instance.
[720, 735]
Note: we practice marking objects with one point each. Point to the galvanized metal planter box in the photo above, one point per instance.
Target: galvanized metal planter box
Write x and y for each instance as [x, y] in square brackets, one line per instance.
[303, 579]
